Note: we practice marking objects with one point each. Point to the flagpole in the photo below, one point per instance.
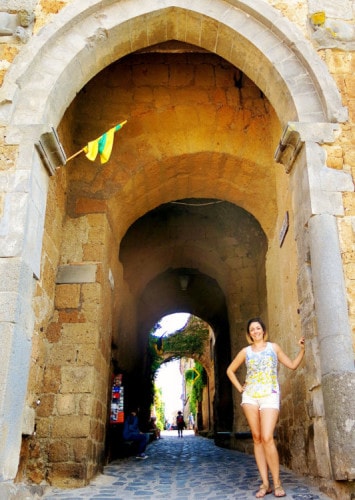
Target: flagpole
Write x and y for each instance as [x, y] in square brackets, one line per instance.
[121, 124]
[75, 154]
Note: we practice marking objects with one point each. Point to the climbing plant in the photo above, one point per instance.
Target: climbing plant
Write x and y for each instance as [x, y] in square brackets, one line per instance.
[188, 342]
[159, 407]
[196, 379]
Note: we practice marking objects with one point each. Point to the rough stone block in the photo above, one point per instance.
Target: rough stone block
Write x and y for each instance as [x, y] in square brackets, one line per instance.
[209, 33]
[315, 403]
[85, 403]
[73, 354]
[93, 251]
[53, 332]
[85, 205]
[79, 333]
[82, 448]
[65, 404]
[346, 235]
[340, 422]
[313, 375]
[321, 448]
[77, 379]
[6, 335]
[350, 272]
[86, 354]
[28, 421]
[349, 203]
[12, 222]
[58, 451]
[51, 379]
[92, 308]
[68, 475]
[68, 296]
[46, 405]
[75, 232]
[43, 427]
[71, 426]
[70, 316]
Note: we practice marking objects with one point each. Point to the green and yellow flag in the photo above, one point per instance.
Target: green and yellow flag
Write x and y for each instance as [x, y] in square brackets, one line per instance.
[102, 145]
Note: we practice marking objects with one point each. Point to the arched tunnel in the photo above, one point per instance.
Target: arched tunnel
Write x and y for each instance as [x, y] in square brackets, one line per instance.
[187, 256]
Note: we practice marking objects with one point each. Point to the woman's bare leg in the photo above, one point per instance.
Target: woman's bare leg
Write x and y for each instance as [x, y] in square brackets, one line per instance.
[252, 414]
[268, 420]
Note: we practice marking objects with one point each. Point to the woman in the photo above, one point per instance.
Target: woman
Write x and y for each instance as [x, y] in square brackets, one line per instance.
[261, 398]
[180, 424]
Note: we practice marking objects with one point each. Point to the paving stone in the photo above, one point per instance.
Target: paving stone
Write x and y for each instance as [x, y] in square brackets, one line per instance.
[192, 468]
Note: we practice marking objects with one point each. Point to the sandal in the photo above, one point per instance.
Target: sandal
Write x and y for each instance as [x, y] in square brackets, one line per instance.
[263, 490]
[279, 491]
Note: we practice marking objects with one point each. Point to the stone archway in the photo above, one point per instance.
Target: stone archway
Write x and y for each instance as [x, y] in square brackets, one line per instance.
[111, 31]
[62, 57]
[218, 247]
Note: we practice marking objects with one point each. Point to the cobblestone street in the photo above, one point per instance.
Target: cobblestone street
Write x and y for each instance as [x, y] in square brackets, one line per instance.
[191, 468]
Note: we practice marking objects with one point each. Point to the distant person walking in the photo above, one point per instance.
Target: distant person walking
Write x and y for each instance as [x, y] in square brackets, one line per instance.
[131, 432]
[180, 423]
[191, 422]
[261, 398]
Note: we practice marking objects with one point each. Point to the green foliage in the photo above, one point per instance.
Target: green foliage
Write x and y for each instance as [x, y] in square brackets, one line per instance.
[155, 359]
[159, 407]
[189, 342]
[190, 375]
[196, 379]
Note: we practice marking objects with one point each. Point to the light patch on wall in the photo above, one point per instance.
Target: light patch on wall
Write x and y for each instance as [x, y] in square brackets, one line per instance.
[111, 279]
[284, 229]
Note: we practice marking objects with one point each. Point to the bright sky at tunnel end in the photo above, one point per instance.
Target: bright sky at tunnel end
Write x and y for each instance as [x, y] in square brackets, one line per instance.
[169, 378]
[171, 323]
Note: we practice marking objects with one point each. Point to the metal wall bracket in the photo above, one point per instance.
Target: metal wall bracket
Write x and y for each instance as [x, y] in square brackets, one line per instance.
[51, 151]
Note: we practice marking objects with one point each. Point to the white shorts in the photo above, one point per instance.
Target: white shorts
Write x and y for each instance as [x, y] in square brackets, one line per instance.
[271, 401]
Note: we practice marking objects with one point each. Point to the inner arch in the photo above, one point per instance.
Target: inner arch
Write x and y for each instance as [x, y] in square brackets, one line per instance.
[218, 247]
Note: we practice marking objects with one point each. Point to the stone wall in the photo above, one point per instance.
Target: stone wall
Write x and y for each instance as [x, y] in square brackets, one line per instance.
[70, 372]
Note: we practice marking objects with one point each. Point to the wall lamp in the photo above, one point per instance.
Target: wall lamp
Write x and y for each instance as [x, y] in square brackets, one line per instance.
[184, 281]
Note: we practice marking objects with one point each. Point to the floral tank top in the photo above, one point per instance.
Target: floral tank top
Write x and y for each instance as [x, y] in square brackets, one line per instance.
[261, 377]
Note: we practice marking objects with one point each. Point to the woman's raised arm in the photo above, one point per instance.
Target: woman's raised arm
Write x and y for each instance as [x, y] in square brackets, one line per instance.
[285, 360]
